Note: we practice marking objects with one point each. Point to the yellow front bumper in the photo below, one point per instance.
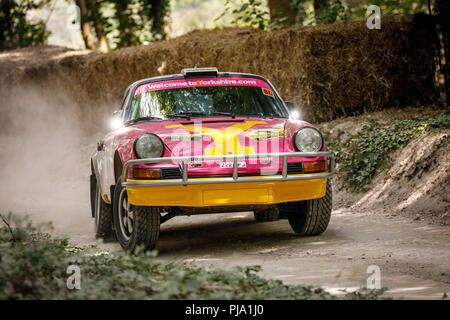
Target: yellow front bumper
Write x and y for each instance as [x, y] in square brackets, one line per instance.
[224, 194]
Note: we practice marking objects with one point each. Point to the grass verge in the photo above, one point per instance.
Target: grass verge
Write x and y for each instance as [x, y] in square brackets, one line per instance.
[360, 156]
[33, 265]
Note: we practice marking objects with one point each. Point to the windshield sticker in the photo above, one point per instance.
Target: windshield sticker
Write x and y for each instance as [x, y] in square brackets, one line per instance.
[205, 82]
[267, 92]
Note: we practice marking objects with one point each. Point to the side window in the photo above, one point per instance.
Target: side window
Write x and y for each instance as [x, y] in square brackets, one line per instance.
[124, 102]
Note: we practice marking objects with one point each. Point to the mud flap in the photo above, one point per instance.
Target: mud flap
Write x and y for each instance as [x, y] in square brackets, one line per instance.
[111, 192]
[92, 190]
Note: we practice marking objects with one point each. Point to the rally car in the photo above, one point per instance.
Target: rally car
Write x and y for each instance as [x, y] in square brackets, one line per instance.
[205, 141]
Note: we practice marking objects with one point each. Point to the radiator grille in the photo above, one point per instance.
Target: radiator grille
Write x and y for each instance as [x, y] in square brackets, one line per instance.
[171, 173]
[295, 167]
[175, 173]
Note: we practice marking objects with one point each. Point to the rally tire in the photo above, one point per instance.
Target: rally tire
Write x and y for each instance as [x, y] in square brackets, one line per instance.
[145, 223]
[102, 217]
[311, 217]
[270, 214]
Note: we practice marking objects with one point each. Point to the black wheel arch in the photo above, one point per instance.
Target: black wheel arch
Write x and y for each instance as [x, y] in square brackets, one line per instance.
[118, 166]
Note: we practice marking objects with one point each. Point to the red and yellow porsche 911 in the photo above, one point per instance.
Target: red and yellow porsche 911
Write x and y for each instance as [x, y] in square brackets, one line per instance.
[205, 141]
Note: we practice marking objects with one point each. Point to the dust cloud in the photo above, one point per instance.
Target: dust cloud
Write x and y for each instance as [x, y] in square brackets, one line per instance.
[45, 159]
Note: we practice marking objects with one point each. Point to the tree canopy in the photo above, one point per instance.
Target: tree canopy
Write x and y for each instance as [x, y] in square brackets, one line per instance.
[276, 14]
[106, 24]
[109, 24]
[16, 30]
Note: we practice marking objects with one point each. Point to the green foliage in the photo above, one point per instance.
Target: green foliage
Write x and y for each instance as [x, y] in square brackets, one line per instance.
[251, 13]
[312, 12]
[16, 31]
[299, 10]
[137, 22]
[127, 22]
[332, 11]
[361, 156]
[389, 7]
[33, 266]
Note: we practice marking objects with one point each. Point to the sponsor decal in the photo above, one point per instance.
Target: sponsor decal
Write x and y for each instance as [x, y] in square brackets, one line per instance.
[264, 134]
[267, 92]
[205, 82]
[226, 140]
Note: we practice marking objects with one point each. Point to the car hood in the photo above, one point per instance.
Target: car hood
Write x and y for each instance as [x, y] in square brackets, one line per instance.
[224, 136]
[216, 136]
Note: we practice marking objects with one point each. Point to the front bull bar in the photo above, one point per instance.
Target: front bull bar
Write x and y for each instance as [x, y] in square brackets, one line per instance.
[183, 161]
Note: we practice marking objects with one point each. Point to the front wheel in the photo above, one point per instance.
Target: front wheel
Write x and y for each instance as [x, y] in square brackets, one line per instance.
[134, 225]
[311, 217]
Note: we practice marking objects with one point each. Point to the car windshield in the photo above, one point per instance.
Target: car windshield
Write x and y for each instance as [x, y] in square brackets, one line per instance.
[205, 98]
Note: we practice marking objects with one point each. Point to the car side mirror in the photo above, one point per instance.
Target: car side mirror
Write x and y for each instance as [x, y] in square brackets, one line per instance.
[293, 110]
[116, 121]
[100, 145]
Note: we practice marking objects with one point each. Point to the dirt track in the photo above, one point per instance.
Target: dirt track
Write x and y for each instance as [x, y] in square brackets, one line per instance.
[45, 172]
[414, 256]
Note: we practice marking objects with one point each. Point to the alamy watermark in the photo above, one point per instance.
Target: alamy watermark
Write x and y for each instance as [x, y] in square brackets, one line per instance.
[374, 19]
[74, 17]
[374, 280]
[74, 280]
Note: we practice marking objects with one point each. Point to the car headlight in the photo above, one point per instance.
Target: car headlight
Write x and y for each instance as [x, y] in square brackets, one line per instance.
[148, 146]
[308, 139]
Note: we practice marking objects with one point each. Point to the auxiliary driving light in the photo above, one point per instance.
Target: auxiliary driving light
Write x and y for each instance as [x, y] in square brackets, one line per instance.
[314, 166]
[145, 173]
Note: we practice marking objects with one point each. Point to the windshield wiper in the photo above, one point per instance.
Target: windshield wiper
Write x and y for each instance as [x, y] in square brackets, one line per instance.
[186, 114]
[228, 114]
[144, 119]
[180, 115]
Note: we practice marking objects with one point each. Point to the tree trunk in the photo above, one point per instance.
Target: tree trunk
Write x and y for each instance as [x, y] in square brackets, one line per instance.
[88, 36]
[443, 7]
[158, 12]
[125, 36]
[6, 30]
[280, 9]
[102, 42]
